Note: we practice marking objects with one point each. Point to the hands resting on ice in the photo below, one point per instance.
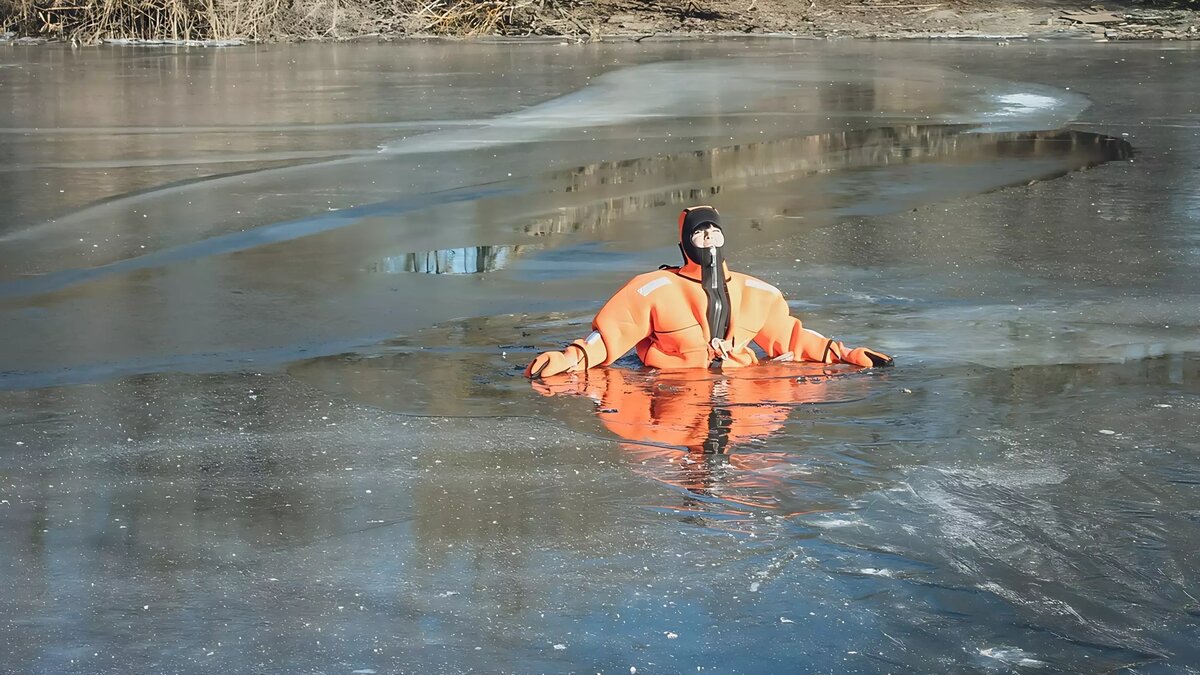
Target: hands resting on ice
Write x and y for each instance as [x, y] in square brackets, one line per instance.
[573, 359]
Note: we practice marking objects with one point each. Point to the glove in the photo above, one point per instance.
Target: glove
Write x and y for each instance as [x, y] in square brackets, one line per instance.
[868, 358]
[553, 363]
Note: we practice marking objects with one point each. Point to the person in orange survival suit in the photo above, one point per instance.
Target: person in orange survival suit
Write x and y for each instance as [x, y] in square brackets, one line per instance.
[698, 314]
[683, 428]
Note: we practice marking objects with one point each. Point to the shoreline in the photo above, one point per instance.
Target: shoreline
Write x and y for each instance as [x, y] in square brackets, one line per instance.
[805, 19]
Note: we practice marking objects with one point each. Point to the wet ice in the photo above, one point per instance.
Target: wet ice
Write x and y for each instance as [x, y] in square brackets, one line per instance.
[329, 459]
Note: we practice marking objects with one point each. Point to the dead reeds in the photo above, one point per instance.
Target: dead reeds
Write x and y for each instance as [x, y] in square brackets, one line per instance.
[90, 21]
[465, 17]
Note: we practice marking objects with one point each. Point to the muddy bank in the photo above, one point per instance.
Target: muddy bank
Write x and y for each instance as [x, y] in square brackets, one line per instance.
[21, 22]
[889, 19]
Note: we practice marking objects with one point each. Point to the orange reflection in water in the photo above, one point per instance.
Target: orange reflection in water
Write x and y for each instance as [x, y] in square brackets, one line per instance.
[704, 431]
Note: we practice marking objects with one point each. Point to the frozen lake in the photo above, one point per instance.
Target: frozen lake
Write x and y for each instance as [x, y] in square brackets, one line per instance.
[263, 312]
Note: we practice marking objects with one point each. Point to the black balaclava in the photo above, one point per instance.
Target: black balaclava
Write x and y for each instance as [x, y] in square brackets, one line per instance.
[712, 267]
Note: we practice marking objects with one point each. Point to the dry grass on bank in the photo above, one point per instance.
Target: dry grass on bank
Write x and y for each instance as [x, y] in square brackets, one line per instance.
[89, 21]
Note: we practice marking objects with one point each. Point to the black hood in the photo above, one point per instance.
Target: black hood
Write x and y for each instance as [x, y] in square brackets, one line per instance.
[694, 219]
[712, 266]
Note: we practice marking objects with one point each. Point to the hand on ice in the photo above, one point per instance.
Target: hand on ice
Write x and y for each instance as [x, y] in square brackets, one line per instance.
[553, 363]
[868, 358]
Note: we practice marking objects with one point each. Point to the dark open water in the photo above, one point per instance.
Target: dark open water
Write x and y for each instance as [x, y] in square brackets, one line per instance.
[264, 309]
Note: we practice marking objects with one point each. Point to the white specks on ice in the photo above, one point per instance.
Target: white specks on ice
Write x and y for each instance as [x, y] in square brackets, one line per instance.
[363, 671]
[559, 647]
[1108, 432]
[447, 594]
[784, 619]
[671, 636]
[1023, 477]
[1156, 405]
[754, 587]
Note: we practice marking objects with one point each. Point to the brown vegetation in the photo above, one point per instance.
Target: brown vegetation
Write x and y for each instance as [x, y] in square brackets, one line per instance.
[90, 21]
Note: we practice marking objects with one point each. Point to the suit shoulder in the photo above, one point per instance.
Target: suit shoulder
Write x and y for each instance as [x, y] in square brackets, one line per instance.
[748, 281]
[648, 282]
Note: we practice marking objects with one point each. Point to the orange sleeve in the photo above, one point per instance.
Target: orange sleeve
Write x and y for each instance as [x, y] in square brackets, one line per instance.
[782, 333]
[623, 321]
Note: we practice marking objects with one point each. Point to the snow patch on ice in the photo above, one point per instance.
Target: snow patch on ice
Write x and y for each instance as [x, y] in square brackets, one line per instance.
[1025, 103]
[834, 523]
[871, 571]
[1012, 655]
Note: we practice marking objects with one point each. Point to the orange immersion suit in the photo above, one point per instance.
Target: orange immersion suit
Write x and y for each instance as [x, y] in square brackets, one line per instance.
[666, 315]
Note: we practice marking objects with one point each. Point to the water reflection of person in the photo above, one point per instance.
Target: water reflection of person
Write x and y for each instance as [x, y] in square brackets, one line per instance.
[698, 315]
[685, 427]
